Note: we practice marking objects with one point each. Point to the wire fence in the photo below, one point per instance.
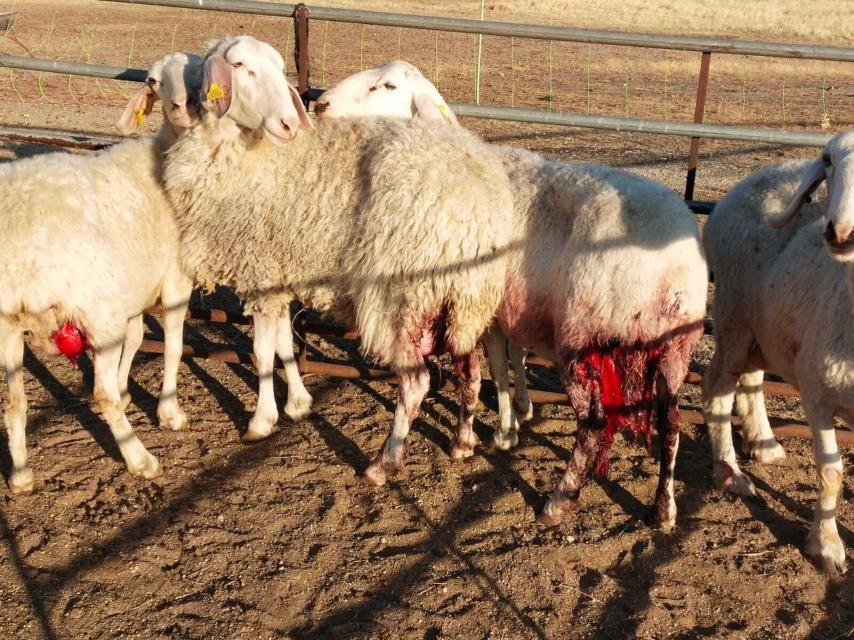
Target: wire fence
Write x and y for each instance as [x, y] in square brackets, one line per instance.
[580, 71]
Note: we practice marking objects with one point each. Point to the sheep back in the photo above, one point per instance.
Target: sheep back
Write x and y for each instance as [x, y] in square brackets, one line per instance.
[386, 224]
[73, 220]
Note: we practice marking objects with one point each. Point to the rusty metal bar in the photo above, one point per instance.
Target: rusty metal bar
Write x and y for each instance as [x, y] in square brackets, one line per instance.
[321, 328]
[301, 58]
[59, 138]
[447, 384]
[699, 112]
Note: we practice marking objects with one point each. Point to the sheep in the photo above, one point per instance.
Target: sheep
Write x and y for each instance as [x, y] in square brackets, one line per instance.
[386, 226]
[90, 244]
[784, 304]
[399, 89]
[610, 280]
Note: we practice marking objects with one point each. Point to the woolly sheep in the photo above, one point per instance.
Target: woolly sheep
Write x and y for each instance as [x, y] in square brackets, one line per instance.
[399, 89]
[390, 227]
[784, 304]
[609, 280]
[90, 244]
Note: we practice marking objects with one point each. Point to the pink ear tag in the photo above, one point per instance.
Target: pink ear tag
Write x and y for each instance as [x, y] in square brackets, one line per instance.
[70, 341]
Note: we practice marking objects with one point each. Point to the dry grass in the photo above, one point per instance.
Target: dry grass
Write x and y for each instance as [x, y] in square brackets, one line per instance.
[819, 21]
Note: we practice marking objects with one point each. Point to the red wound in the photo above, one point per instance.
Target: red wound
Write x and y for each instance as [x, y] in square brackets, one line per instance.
[625, 377]
[70, 341]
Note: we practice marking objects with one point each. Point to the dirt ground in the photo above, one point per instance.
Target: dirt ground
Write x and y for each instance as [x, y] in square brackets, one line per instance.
[281, 539]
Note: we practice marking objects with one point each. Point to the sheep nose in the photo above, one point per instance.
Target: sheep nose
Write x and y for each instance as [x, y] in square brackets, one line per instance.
[287, 128]
[178, 105]
[320, 107]
[836, 237]
[830, 233]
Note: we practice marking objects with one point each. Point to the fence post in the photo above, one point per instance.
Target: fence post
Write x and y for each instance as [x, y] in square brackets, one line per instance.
[699, 110]
[301, 49]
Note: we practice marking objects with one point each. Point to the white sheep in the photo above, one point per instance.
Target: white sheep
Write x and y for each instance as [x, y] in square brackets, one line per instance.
[90, 243]
[784, 304]
[399, 89]
[609, 280]
[387, 226]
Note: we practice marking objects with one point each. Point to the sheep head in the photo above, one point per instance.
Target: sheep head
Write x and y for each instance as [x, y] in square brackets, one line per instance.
[836, 165]
[244, 81]
[175, 80]
[396, 90]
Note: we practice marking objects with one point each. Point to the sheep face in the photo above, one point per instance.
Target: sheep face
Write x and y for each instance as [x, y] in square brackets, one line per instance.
[177, 83]
[244, 81]
[836, 165]
[395, 89]
[175, 79]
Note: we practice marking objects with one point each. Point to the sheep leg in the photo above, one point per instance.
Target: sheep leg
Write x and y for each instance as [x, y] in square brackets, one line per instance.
[412, 387]
[468, 373]
[175, 298]
[263, 423]
[669, 425]
[21, 479]
[133, 338]
[823, 541]
[719, 384]
[507, 434]
[299, 399]
[758, 439]
[139, 461]
[565, 498]
[521, 402]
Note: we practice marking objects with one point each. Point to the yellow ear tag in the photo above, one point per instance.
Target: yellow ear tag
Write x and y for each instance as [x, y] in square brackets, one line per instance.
[443, 109]
[215, 92]
[140, 117]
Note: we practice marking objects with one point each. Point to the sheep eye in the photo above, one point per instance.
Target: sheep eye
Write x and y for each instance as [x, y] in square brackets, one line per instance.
[236, 65]
[390, 86]
[825, 158]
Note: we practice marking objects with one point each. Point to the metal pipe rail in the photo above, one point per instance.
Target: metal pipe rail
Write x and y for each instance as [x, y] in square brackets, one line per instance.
[532, 116]
[72, 68]
[507, 29]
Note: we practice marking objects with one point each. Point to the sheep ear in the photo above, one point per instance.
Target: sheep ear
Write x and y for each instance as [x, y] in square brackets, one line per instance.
[430, 105]
[216, 86]
[304, 121]
[814, 176]
[139, 106]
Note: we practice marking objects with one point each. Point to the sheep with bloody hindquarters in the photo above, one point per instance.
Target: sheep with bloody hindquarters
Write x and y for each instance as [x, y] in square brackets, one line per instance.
[784, 303]
[89, 244]
[606, 275]
[394, 228]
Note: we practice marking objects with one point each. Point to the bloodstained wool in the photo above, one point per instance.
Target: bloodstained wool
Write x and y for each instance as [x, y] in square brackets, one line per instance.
[619, 382]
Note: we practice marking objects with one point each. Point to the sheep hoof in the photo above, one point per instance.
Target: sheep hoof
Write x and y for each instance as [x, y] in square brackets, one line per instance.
[148, 468]
[765, 451]
[827, 551]
[173, 420]
[524, 414]
[298, 408]
[730, 478]
[21, 481]
[259, 429]
[556, 508]
[505, 442]
[462, 450]
[379, 471]
[666, 523]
